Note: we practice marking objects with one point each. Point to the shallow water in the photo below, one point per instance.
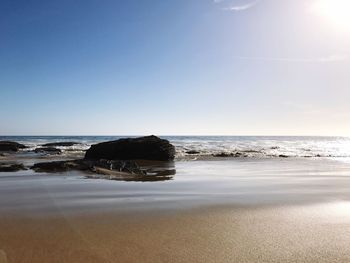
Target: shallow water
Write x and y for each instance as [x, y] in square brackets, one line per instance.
[222, 210]
[196, 183]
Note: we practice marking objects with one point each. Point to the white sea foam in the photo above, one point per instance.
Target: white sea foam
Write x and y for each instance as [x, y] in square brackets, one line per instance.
[303, 147]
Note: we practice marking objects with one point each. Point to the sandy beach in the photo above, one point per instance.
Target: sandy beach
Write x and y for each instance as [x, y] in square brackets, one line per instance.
[183, 131]
[314, 233]
[278, 210]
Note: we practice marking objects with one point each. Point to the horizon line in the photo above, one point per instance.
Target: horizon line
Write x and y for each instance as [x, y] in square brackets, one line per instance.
[181, 135]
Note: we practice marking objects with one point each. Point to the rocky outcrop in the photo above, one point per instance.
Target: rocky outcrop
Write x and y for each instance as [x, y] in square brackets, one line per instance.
[60, 144]
[11, 167]
[142, 148]
[8, 146]
[48, 150]
[108, 169]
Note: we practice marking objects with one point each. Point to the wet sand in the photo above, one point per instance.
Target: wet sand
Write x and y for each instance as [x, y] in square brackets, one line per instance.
[223, 211]
[313, 233]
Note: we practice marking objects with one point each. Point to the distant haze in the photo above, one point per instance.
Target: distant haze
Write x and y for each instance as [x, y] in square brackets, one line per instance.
[224, 67]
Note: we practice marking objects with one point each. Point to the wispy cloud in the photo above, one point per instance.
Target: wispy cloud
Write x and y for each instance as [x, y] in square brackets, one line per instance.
[331, 58]
[237, 8]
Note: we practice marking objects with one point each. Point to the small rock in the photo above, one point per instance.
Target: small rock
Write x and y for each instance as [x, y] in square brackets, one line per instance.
[283, 156]
[223, 154]
[11, 167]
[193, 152]
[50, 150]
[58, 166]
[8, 146]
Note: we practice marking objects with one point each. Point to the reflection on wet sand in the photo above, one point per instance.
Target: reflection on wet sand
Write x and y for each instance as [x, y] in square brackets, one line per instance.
[119, 170]
[151, 172]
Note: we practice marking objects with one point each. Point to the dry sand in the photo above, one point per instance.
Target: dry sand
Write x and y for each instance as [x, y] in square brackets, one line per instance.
[313, 233]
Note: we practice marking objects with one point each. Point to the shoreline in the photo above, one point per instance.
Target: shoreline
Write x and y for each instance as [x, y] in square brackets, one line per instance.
[195, 184]
[261, 210]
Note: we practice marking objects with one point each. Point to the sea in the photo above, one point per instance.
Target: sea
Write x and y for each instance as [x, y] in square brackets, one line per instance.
[270, 171]
[193, 147]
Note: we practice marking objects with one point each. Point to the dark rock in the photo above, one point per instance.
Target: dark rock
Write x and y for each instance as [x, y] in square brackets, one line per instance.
[142, 148]
[87, 165]
[50, 150]
[8, 146]
[108, 169]
[225, 155]
[11, 167]
[193, 152]
[58, 144]
[283, 156]
[59, 166]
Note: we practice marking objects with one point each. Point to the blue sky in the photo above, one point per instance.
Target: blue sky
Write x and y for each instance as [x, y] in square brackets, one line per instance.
[168, 67]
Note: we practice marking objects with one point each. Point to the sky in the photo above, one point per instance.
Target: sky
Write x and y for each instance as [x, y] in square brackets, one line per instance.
[165, 67]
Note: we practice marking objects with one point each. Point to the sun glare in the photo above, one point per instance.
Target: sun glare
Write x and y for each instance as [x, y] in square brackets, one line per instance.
[336, 11]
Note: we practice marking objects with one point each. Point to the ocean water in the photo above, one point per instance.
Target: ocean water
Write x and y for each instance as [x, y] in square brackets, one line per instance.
[318, 171]
[246, 146]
